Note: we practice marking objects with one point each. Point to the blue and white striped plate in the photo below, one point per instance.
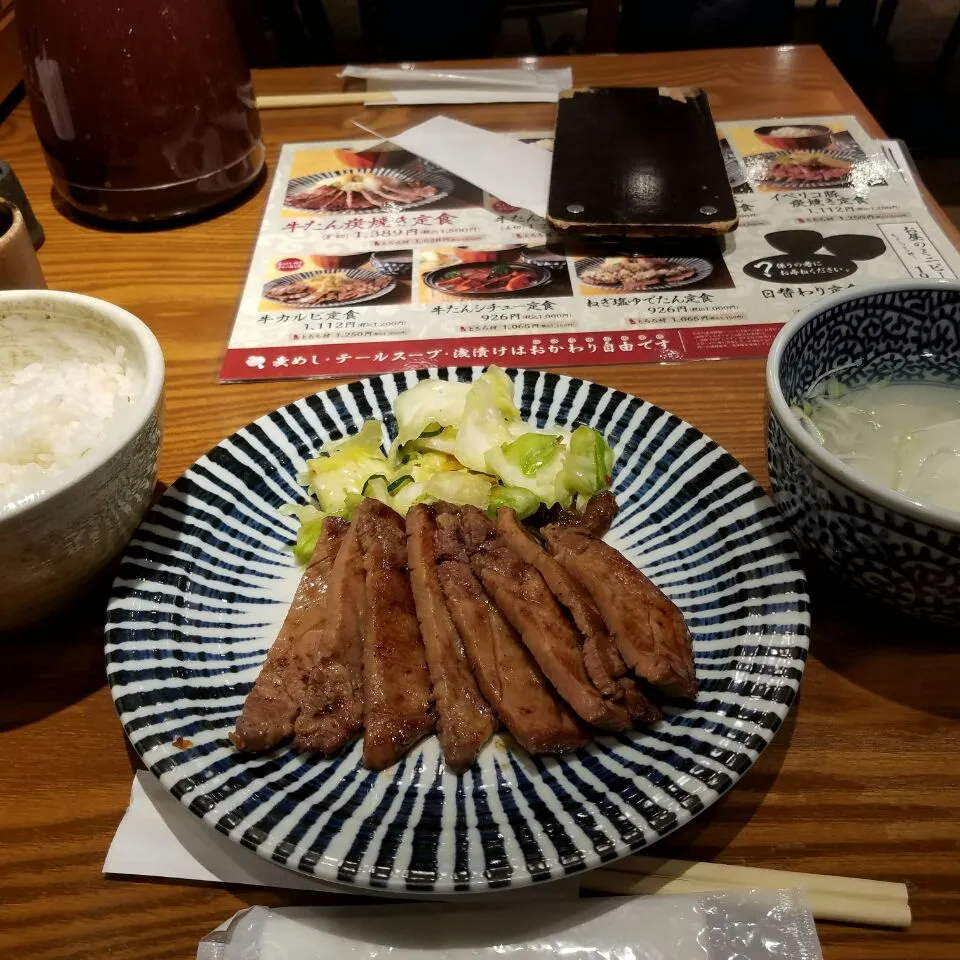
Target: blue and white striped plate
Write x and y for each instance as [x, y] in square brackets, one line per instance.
[206, 582]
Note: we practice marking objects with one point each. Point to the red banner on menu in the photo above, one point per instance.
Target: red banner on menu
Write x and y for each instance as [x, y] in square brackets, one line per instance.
[662, 346]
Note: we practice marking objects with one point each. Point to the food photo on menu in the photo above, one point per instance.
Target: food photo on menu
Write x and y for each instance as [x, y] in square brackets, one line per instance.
[493, 271]
[385, 179]
[650, 265]
[804, 157]
[339, 280]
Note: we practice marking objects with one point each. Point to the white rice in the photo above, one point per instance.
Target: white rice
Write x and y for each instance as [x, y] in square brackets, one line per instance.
[52, 413]
[794, 132]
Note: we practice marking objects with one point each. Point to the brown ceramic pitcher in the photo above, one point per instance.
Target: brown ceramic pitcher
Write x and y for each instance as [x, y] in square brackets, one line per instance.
[145, 109]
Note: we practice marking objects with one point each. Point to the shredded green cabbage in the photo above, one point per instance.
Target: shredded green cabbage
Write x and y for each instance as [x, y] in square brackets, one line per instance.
[523, 502]
[343, 467]
[588, 462]
[430, 404]
[531, 452]
[547, 483]
[460, 487]
[307, 536]
[464, 443]
[481, 427]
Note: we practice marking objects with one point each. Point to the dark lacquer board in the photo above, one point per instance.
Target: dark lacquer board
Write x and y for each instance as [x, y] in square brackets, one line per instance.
[639, 160]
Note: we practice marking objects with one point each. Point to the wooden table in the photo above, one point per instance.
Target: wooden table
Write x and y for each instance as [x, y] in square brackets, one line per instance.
[864, 779]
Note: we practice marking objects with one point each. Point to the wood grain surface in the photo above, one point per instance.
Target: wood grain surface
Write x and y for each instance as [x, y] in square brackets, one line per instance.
[863, 780]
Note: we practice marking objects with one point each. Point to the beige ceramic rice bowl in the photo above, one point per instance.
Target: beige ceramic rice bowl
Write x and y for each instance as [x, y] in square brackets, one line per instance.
[81, 386]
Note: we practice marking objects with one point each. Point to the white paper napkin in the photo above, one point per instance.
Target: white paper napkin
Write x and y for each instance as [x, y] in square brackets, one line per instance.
[418, 85]
[159, 837]
[516, 172]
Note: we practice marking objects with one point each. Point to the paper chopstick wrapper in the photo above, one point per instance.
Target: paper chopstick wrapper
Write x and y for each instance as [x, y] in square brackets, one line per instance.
[462, 86]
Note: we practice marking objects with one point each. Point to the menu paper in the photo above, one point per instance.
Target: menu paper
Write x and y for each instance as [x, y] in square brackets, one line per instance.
[374, 259]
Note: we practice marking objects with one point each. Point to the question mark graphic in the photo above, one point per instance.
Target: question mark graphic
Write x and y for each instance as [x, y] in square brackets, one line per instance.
[766, 266]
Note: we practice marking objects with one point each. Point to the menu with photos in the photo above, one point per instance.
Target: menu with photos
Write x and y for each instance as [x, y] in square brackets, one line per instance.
[372, 260]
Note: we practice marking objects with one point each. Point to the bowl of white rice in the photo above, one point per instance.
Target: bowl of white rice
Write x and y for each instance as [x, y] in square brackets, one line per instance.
[795, 136]
[81, 386]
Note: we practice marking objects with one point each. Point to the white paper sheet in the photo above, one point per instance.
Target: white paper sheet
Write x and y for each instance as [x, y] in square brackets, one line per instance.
[513, 171]
[159, 837]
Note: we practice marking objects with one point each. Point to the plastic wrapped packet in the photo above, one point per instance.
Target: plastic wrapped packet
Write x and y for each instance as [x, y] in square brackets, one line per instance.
[732, 925]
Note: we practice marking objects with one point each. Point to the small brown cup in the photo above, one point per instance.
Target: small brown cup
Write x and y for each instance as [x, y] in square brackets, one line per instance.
[19, 266]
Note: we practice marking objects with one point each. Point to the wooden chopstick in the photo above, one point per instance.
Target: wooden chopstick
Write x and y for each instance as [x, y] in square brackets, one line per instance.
[760, 877]
[824, 906]
[286, 100]
[841, 899]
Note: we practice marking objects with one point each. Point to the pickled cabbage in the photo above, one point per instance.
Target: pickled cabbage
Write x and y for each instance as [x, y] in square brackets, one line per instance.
[464, 443]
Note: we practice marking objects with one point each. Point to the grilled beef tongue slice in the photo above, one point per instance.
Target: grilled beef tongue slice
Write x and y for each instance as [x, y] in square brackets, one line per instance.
[594, 519]
[398, 706]
[331, 711]
[464, 719]
[603, 663]
[273, 703]
[647, 628]
[526, 601]
[506, 673]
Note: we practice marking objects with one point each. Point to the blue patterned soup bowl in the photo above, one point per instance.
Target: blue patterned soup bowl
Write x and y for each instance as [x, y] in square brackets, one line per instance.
[880, 542]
